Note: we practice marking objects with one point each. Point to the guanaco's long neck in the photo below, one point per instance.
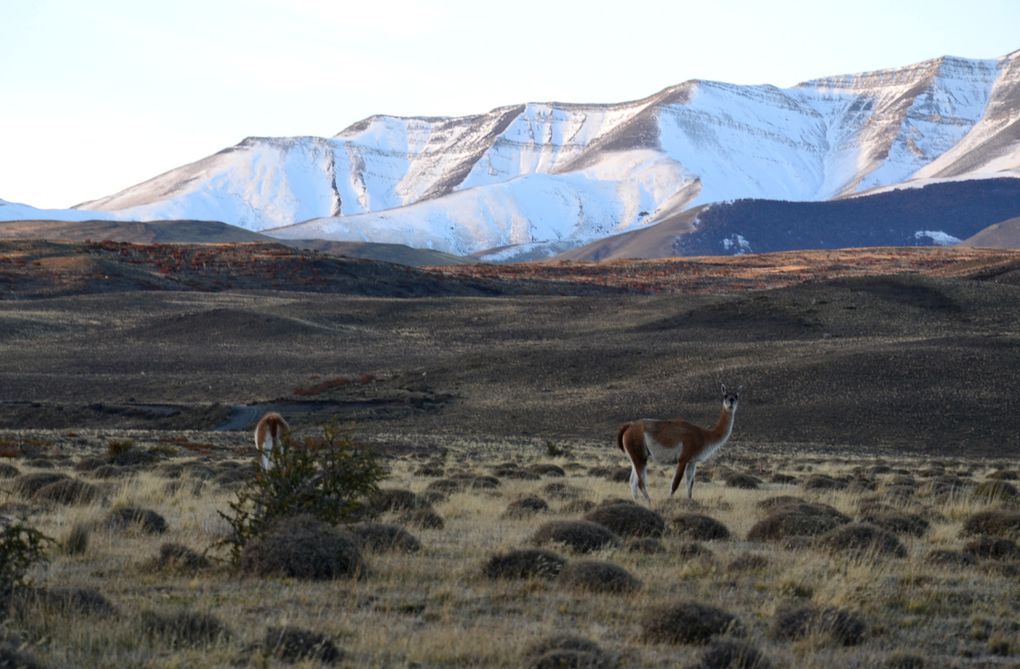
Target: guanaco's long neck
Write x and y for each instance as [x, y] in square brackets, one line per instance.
[723, 427]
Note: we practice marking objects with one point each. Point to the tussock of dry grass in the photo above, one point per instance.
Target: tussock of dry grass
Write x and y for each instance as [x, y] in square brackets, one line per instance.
[479, 593]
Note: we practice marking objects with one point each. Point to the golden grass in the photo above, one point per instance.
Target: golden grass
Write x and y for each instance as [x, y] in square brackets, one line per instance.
[435, 608]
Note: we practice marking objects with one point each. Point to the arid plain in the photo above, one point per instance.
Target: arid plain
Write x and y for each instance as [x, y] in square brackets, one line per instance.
[878, 390]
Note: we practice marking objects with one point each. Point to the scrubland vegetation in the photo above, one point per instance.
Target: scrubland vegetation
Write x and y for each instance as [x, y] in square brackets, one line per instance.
[497, 554]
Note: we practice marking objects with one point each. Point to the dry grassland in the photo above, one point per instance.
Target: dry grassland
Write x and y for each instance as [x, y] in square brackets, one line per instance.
[436, 607]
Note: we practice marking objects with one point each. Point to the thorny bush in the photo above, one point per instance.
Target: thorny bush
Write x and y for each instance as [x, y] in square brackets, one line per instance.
[21, 546]
[328, 477]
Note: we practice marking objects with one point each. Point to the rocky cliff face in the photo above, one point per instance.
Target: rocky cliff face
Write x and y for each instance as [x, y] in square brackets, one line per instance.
[564, 174]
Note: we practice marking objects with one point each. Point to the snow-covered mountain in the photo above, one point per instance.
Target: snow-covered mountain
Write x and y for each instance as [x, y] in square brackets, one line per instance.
[568, 173]
[15, 211]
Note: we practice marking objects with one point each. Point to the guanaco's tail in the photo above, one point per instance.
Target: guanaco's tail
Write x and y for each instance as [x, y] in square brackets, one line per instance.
[619, 436]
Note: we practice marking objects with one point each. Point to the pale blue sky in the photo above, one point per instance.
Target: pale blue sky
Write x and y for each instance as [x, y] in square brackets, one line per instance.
[97, 96]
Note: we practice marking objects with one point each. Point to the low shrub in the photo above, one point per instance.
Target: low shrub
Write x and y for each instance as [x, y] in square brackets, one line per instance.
[686, 623]
[135, 518]
[628, 520]
[302, 547]
[183, 628]
[834, 625]
[179, 558]
[598, 576]
[525, 507]
[566, 651]
[732, 654]
[898, 522]
[381, 537]
[580, 535]
[21, 546]
[861, 539]
[67, 491]
[992, 548]
[327, 478]
[698, 527]
[525, 563]
[295, 644]
[996, 491]
[993, 522]
[424, 517]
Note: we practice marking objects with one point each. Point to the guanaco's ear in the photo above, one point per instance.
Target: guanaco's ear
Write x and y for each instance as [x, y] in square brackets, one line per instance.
[740, 388]
[723, 388]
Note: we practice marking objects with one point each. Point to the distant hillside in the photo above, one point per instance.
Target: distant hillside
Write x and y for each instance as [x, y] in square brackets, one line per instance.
[211, 232]
[136, 232]
[34, 268]
[938, 214]
[394, 253]
[1003, 235]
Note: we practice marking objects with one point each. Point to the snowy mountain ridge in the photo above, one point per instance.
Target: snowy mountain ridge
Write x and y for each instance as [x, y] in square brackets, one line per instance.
[568, 173]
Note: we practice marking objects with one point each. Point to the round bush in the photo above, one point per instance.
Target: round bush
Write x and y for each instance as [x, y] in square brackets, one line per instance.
[8, 471]
[514, 471]
[14, 657]
[698, 527]
[294, 644]
[183, 628]
[28, 484]
[381, 537]
[67, 491]
[581, 535]
[822, 482]
[395, 499]
[445, 486]
[599, 576]
[646, 545]
[303, 547]
[993, 522]
[743, 482]
[176, 557]
[861, 539]
[770, 504]
[898, 522]
[525, 507]
[837, 625]
[992, 548]
[796, 520]
[686, 623]
[692, 550]
[903, 661]
[547, 469]
[562, 491]
[425, 518]
[996, 491]
[615, 474]
[525, 563]
[628, 520]
[731, 654]
[748, 562]
[134, 518]
[565, 651]
[949, 558]
[68, 601]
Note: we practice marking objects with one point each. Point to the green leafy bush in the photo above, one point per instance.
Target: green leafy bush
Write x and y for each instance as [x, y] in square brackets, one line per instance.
[327, 477]
[21, 546]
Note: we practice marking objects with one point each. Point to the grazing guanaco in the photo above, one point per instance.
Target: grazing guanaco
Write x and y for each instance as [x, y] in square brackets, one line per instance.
[674, 441]
[269, 431]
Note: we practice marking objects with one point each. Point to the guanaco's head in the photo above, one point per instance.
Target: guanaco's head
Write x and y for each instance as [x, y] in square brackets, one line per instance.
[730, 397]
